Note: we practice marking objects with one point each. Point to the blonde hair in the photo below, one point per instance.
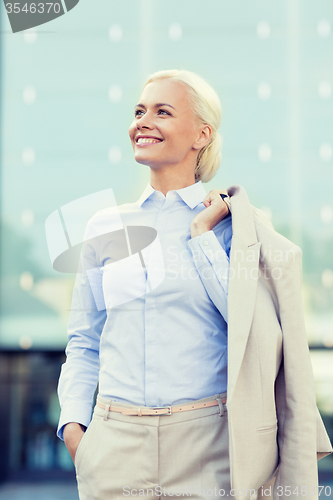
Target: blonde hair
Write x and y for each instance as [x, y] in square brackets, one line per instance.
[206, 107]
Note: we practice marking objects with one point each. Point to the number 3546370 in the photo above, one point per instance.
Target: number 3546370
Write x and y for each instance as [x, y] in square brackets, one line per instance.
[40, 7]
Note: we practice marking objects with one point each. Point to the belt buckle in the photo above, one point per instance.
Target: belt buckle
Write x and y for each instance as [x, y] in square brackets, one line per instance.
[169, 412]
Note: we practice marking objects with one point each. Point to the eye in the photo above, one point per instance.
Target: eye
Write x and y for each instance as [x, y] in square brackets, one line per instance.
[164, 111]
[140, 112]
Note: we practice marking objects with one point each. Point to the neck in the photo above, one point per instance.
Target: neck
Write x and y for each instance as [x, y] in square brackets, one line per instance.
[165, 181]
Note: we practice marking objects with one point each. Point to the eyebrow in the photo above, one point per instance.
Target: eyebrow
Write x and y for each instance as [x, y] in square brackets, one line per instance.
[156, 105]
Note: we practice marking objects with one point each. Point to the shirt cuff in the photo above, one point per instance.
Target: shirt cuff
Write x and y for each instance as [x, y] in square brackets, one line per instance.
[74, 411]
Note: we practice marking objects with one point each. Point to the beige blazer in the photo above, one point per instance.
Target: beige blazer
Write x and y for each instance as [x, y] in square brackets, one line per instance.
[274, 423]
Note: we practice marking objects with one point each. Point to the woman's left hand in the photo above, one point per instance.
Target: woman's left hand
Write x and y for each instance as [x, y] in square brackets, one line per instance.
[216, 209]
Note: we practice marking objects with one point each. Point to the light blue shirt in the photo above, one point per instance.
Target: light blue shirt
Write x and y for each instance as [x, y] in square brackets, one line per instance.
[163, 347]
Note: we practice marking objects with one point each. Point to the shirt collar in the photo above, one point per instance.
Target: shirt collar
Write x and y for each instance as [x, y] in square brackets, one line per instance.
[192, 195]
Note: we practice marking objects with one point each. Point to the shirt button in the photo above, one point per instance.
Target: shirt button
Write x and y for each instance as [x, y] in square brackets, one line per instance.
[224, 277]
[206, 242]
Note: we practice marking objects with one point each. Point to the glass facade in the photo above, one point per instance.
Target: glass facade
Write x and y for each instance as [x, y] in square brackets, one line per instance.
[29, 399]
[68, 91]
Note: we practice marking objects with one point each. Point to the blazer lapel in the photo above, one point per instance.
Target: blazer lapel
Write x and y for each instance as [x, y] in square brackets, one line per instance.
[243, 278]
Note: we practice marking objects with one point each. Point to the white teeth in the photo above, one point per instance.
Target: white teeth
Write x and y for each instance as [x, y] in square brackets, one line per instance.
[144, 139]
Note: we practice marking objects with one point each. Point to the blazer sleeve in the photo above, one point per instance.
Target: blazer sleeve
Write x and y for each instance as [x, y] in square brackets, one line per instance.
[298, 416]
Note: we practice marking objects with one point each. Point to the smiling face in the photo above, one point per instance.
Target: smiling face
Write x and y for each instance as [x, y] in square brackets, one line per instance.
[164, 131]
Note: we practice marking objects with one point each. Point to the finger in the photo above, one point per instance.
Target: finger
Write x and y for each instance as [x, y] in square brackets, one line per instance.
[207, 200]
[214, 194]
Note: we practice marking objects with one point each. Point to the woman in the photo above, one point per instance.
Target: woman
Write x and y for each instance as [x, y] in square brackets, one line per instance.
[160, 426]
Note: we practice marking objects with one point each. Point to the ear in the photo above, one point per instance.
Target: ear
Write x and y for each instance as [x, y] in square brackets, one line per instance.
[203, 137]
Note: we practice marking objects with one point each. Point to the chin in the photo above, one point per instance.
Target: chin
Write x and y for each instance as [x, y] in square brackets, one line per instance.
[143, 160]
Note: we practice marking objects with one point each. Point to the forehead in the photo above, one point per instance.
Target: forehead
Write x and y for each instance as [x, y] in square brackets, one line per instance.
[166, 91]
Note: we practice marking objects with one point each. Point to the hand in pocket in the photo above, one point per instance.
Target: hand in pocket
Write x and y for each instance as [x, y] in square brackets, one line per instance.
[73, 433]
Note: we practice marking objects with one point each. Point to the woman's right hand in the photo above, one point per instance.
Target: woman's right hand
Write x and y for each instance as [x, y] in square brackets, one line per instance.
[73, 433]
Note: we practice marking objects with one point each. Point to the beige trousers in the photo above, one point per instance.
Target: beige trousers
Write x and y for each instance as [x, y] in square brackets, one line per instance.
[181, 455]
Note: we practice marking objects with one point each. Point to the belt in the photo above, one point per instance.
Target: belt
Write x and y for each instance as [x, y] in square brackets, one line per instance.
[161, 410]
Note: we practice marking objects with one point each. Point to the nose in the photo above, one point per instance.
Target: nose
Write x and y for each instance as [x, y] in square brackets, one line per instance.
[145, 122]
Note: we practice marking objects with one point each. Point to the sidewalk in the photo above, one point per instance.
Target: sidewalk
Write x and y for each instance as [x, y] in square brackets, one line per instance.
[45, 491]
